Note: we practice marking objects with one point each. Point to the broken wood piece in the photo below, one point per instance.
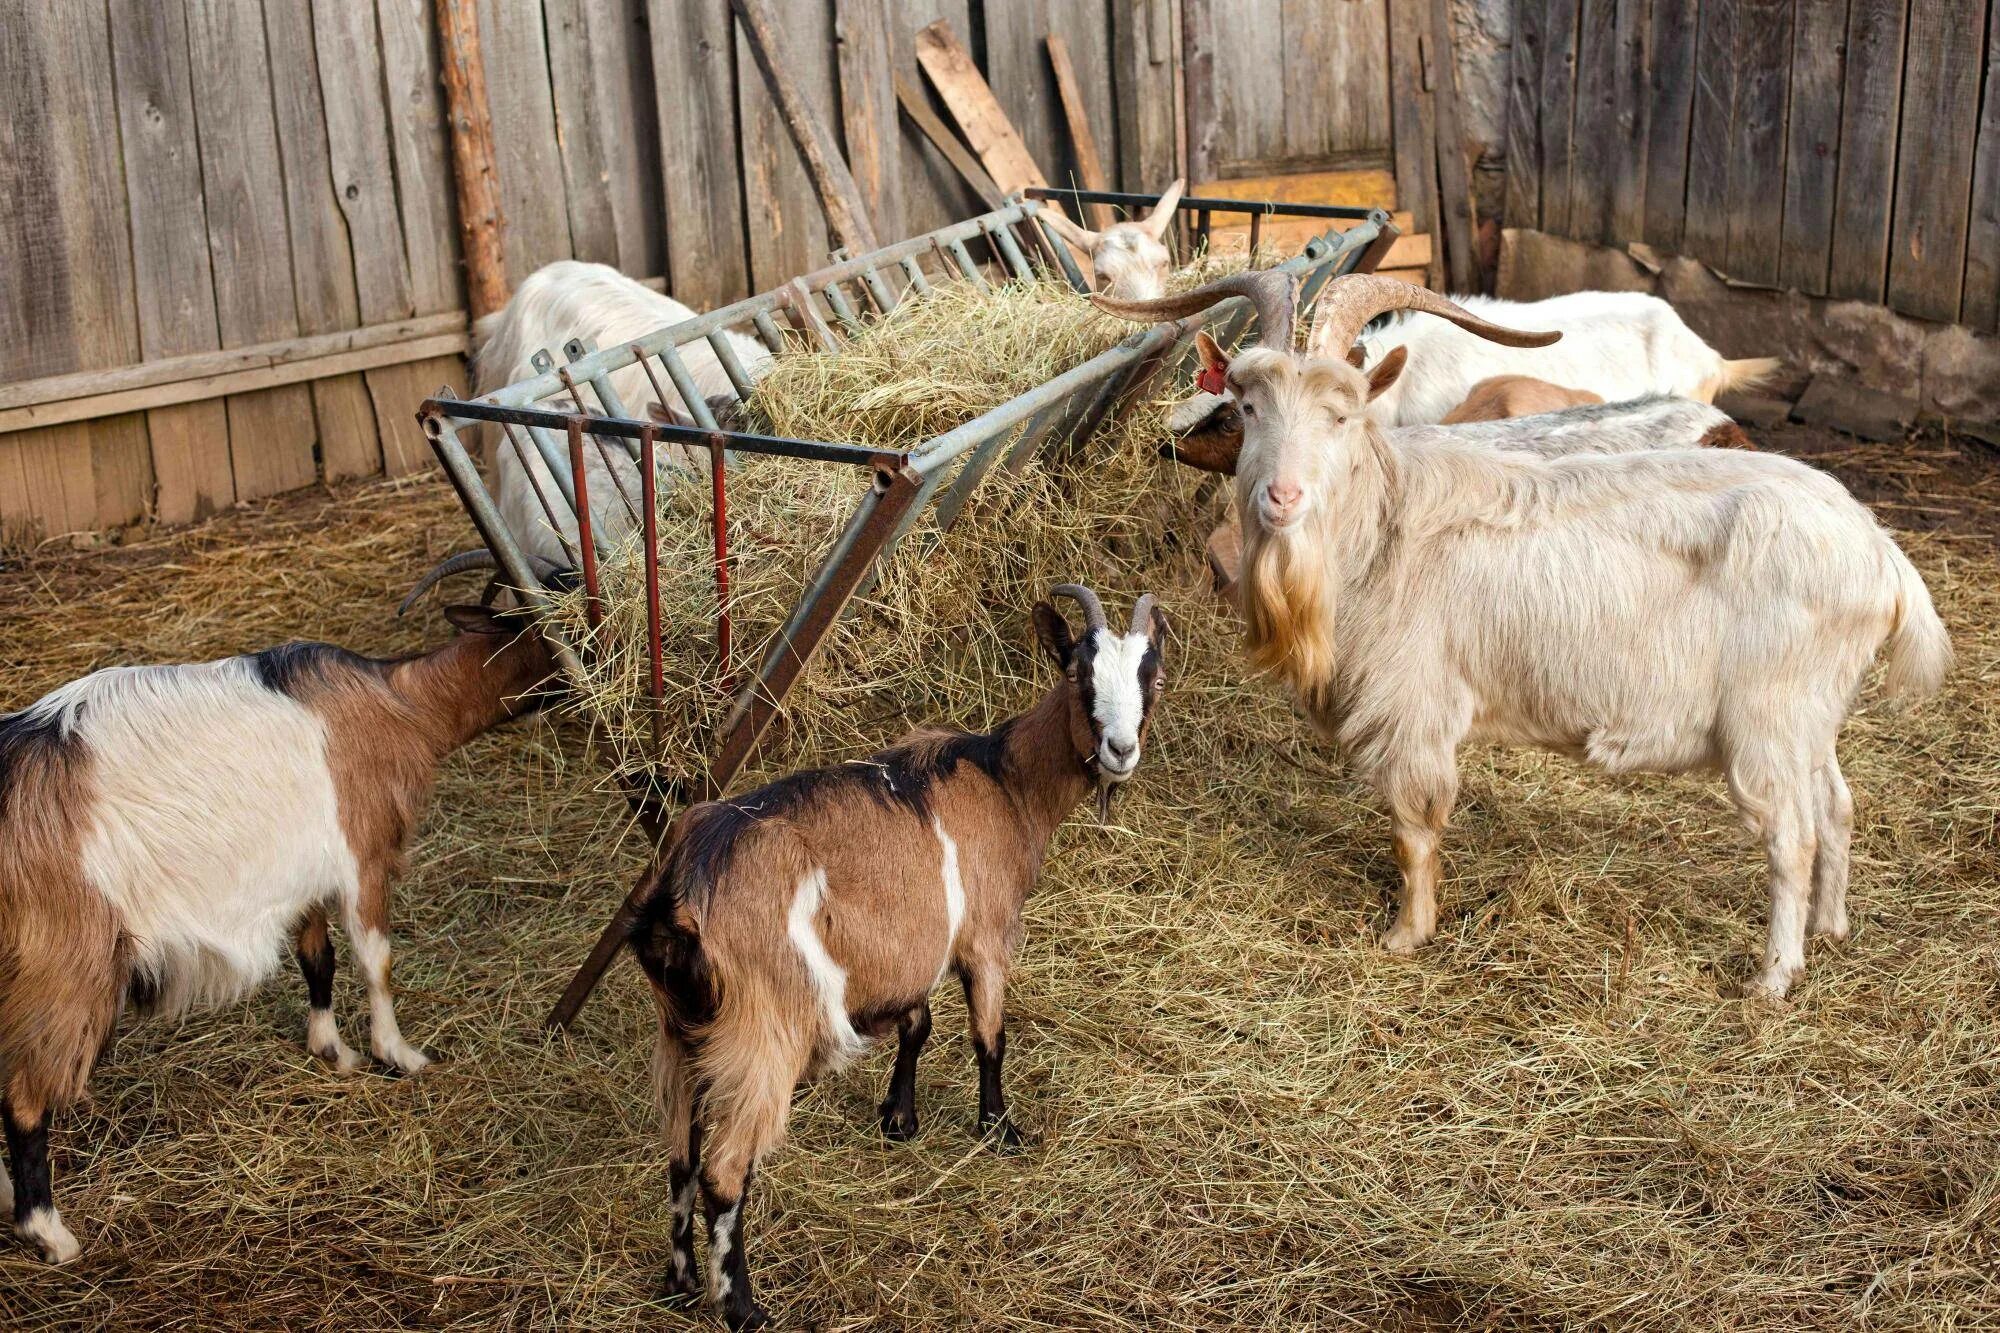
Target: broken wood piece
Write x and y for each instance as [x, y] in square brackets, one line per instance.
[972, 104]
[920, 114]
[1088, 165]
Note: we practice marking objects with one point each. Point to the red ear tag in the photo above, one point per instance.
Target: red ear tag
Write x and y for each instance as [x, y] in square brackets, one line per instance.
[1210, 380]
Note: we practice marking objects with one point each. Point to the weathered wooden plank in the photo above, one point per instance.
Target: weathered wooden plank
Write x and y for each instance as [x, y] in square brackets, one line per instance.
[170, 260]
[1628, 166]
[1870, 109]
[917, 109]
[60, 479]
[1705, 234]
[1410, 104]
[1523, 207]
[1336, 76]
[933, 192]
[1982, 249]
[1559, 77]
[1018, 69]
[1757, 139]
[787, 225]
[1456, 223]
[397, 393]
[418, 144]
[271, 433]
[580, 136]
[1249, 58]
[121, 471]
[20, 527]
[1594, 137]
[868, 121]
[622, 70]
[976, 109]
[1199, 39]
[707, 263]
[1146, 84]
[1812, 143]
[1082, 138]
[1669, 112]
[323, 270]
[354, 161]
[515, 46]
[1935, 165]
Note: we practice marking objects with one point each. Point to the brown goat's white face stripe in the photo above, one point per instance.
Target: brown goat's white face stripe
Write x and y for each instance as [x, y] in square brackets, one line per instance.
[1118, 699]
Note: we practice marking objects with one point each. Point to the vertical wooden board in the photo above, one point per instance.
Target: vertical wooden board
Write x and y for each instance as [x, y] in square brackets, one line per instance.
[339, 74]
[1594, 138]
[61, 484]
[1146, 74]
[586, 174]
[271, 432]
[1628, 167]
[397, 392]
[1669, 112]
[1705, 234]
[350, 443]
[425, 194]
[1812, 143]
[1249, 60]
[1871, 105]
[621, 62]
[787, 225]
[191, 466]
[868, 115]
[1757, 139]
[1017, 66]
[694, 45]
[514, 43]
[1559, 80]
[1336, 76]
[1982, 248]
[121, 470]
[170, 259]
[20, 526]
[1934, 166]
[1410, 105]
[1524, 110]
[933, 193]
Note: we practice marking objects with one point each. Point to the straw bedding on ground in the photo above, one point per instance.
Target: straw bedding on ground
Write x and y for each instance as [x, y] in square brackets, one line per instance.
[1245, 1115]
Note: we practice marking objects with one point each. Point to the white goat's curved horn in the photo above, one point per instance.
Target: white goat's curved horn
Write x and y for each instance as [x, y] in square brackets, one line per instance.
[1142, 614]
[1273, 292]
[1162, 216]
[1093, 610]
[1350, 301]
[1080, 237]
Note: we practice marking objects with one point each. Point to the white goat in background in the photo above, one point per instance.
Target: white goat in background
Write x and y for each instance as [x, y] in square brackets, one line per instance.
[1662, 610]
[571, 299]
[1128, 260]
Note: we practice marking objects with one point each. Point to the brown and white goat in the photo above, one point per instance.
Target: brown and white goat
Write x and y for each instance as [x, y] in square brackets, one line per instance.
[166, 830]
[1658, 610]
[1500, 397]
[785, 926]
[1129, 259]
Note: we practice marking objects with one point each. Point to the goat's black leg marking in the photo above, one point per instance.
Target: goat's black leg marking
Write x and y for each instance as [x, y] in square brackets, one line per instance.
[314, 947]
[35, 1216]
[728, 1267]
[989, 1043]
[899, 1108]
[684, 1279]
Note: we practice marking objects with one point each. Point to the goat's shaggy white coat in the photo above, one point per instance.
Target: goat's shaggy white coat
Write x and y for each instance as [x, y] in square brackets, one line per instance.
[595, 302]
[1615, 344]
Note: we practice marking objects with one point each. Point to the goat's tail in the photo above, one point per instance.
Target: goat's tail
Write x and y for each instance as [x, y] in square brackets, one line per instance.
[1751, 372]
[1919, 648]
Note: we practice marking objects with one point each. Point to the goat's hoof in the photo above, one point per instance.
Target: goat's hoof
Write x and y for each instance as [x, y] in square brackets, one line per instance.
[44, 1229]
[897, 1125]
[340, 1058]
[682, 1285]
[404, 1059]
[1832, 932]
[1404, 941]
[753, 1316]
[1003, 1135]
[1765, 988]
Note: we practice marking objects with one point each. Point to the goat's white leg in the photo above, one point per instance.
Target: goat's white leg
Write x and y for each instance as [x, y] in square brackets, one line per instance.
[1781, 810]
[314, 947]
[1420, 800]
[1833, 820]
[368, 931]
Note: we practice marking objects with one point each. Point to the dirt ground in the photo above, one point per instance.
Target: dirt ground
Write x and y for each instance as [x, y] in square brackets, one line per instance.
[1246, 1116]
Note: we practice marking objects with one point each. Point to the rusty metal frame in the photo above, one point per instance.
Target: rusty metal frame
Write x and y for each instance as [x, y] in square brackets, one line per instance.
[1059, 412]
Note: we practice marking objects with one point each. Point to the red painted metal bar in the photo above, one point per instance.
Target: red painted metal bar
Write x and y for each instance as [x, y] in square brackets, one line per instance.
[593, 611]
[719, 489]
[656, 683]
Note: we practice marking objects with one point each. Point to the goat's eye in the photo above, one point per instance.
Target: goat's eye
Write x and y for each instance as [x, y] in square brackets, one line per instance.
[1248, 410]
[1340, 421]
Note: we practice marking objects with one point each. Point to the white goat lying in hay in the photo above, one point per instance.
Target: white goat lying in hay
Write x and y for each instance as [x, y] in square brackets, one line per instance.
[571, 299]
[1128, 260]
[1663, 610]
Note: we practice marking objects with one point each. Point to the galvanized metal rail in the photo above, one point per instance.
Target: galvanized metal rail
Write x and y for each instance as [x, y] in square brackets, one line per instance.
[822, 306]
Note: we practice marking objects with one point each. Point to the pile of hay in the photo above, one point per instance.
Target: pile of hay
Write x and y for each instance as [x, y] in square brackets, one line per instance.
[928, 639]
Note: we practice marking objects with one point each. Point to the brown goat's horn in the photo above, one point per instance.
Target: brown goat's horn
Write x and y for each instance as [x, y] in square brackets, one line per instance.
[1142, 614]
[1273, 292]
[1349, 302]
[459, 562]
[1093, 610]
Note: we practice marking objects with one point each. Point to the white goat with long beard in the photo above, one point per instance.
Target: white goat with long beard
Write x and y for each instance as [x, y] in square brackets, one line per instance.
[1662, 611]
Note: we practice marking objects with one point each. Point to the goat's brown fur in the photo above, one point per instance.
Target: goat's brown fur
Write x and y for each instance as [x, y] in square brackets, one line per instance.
[1502, 397]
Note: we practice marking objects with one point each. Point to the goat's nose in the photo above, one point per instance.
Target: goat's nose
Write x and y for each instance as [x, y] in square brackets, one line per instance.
[1282, 494]
[1122, 751]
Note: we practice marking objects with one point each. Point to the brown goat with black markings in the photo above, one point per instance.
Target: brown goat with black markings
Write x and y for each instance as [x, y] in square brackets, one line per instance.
[784, 927]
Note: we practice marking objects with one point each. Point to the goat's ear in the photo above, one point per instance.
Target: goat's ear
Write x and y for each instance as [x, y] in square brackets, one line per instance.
[1384, 375]
[1157, 630]
[1082, 238]
[1162, 216]
[477, 620]
[1213, 359]
[1053, 630]
[1357, 356]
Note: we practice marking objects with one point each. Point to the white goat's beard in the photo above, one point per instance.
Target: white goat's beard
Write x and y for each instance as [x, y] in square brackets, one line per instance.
[1288, 603]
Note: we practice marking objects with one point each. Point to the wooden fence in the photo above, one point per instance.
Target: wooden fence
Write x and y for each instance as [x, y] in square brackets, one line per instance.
[1845, 148]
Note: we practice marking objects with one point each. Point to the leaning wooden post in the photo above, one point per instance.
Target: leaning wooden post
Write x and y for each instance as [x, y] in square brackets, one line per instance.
[480, 221]
[846, 215]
